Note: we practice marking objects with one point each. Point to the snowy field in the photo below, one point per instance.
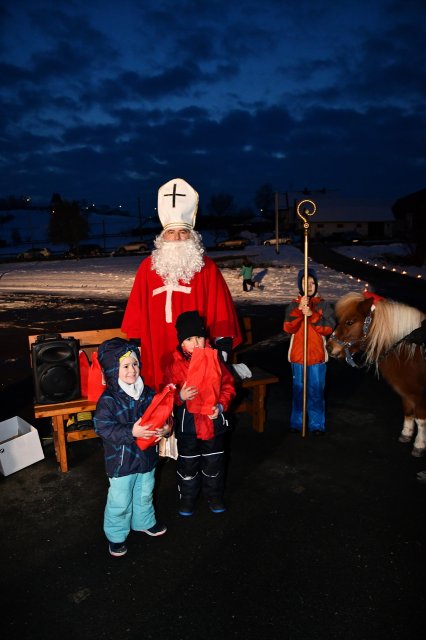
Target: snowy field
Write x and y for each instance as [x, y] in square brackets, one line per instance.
[380, 256]
[112, 277]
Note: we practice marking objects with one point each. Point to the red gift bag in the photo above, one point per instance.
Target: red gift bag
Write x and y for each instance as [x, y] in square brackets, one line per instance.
[205, 374]
[84, 365]
[96, 384]
[157, 414]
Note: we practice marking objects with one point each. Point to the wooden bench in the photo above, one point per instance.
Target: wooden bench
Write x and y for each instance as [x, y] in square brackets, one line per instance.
[253, 402]
[60, 412]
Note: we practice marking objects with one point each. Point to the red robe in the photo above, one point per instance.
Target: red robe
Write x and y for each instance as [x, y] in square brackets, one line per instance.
[151, 314]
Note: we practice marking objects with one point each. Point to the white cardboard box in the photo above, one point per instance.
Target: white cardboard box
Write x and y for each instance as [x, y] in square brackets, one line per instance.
[20, 445]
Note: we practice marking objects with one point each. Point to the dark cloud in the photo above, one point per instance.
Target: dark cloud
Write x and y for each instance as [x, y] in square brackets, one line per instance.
[173, 81]
[106, 104]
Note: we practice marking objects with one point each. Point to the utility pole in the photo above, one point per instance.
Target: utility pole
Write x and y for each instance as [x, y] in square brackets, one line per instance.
[140, 218]
[277, 218]
[277, 233]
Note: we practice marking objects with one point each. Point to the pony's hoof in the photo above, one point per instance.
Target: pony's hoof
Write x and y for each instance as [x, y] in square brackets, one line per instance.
[418, 453]
[404, 439]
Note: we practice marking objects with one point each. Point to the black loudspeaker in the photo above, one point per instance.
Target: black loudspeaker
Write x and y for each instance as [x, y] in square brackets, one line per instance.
[56, 369]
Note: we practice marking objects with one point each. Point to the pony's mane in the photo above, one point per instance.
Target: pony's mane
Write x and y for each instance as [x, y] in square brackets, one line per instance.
[391, 322]
[348, 300]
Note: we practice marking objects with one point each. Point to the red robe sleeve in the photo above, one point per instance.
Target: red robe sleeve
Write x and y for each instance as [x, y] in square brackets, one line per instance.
[219, 313]
[227, 390]
[133, 321]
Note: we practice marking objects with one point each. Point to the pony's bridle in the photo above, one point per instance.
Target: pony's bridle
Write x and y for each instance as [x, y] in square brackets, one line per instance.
[347, 344]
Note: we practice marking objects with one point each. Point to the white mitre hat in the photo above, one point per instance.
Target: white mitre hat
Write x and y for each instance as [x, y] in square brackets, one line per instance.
[177, 205]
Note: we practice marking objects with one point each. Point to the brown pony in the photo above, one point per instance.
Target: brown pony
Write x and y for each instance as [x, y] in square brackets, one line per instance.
[382, 332]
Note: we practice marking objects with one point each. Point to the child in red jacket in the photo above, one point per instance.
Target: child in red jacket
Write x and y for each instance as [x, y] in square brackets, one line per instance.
[321, 322]
[200, 422]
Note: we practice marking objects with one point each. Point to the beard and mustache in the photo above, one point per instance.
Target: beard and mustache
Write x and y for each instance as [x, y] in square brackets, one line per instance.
[180, 260]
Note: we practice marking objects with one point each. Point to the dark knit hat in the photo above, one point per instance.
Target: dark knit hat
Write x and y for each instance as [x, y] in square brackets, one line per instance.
[189, 324]
[301, 275]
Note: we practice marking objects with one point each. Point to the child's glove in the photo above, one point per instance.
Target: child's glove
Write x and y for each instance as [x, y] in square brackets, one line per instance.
[224, 346]
[242, 370]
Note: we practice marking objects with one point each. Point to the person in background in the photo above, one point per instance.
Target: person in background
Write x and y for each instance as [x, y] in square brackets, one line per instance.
[247, 274]
[177, 277]
[131, 471]
[421, 477]
[201, 437]
[321, 322]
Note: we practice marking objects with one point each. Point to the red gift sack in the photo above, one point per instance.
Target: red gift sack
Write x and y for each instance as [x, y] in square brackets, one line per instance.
[157, 414]
[84, 365]
[205, 374]
[96, 384]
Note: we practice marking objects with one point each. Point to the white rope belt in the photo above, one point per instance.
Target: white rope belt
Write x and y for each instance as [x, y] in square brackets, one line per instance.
[169, 288]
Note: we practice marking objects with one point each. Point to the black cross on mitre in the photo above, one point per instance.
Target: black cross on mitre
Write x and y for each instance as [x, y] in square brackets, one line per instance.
[174, 194]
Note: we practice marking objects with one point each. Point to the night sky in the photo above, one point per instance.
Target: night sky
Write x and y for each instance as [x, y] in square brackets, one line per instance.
[105, 101]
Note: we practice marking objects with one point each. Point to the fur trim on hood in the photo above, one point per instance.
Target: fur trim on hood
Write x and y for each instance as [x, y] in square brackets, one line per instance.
[109, 354]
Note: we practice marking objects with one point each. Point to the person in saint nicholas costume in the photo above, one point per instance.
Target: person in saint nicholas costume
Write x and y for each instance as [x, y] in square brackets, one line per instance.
[177, 277]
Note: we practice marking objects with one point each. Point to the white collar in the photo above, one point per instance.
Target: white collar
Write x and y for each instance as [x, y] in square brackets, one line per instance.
[133, 390]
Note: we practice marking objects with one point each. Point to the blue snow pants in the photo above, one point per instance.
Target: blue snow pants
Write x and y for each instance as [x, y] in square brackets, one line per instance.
[315, 403]
[129, 505]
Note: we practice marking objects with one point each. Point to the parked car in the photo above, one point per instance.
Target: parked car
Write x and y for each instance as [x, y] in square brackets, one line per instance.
[84, 251]
[35, 254]
[132, 248]
[233, 243]
[273, 241]
[344, 237]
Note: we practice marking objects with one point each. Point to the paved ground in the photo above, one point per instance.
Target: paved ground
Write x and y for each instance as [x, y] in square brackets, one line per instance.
[324, 537]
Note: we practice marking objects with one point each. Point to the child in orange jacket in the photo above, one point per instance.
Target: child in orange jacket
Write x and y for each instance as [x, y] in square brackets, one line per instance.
[200, 435]
[321, 322]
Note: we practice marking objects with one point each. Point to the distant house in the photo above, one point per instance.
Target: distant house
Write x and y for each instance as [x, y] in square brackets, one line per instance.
[339, 217]
[410, 214]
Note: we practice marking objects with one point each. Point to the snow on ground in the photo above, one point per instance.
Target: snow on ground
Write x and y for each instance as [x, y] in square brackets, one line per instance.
[112, 277]
[381, 256]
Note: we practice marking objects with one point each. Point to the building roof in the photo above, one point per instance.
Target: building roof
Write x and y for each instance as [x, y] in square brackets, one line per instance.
[413, 203]
[332, 207]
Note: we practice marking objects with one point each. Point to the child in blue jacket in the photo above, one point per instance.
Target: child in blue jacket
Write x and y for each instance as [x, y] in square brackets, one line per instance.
[131, 470]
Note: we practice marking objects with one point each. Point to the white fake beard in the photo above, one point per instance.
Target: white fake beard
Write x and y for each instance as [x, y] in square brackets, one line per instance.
[179, 260]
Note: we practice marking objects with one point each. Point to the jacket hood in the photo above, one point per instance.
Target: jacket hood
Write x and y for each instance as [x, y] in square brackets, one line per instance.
[301, 275]
[109, 354]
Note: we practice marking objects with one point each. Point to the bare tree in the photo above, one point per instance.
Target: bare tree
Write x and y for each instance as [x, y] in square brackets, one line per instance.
[264, 198]
[67, 224]
[221, 204]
